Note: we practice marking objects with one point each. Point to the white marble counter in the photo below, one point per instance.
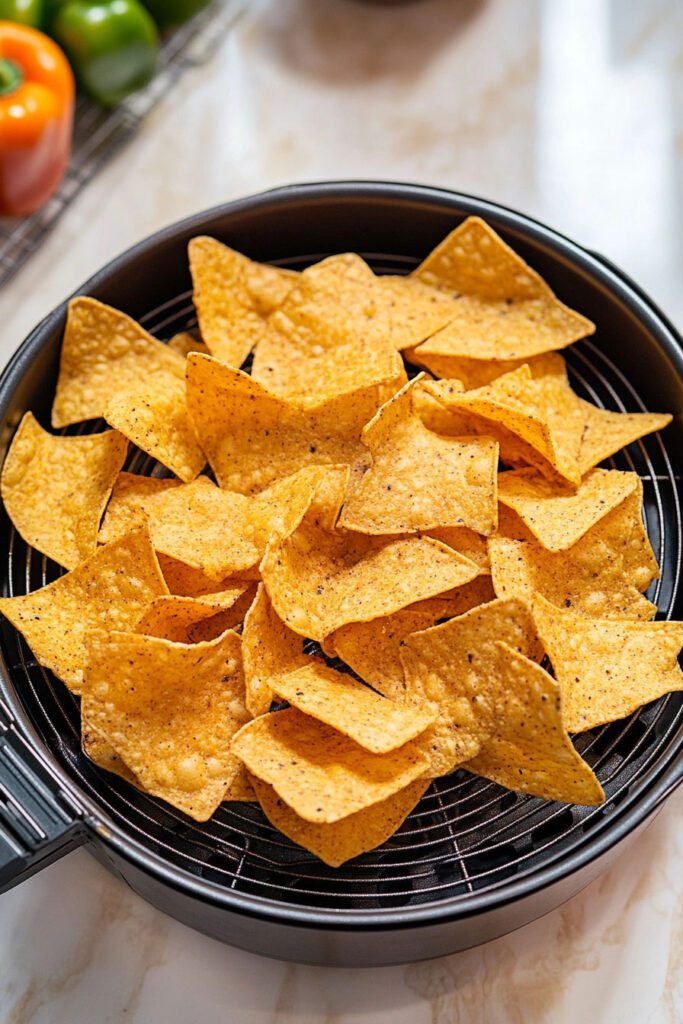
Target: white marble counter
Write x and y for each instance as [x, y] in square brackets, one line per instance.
[571, 110]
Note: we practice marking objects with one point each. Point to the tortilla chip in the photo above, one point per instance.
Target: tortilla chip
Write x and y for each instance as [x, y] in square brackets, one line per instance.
[529, 749]
[470, 544]
[607, 668]
[416, 310]
[104, 352]
[505, 309]
[232, 618]
[605, 432]
[342, 840]
[171, 617]
[454, 669]
[331, 335]
[153, 415]
[185, 581]
[411, 479]
[127, 508]
[218, 532]
[240, 789]
[55, 489]
[233, 296]
[320, 581]
[321, 774]
[110, 590]
[375, 723]
[602, 575]
[269, 650]
[185, 342]
[101, 752]
[559, 518]
[253, 438]
[531, 419]
[373, 649]
[170, 711]
[473, 373]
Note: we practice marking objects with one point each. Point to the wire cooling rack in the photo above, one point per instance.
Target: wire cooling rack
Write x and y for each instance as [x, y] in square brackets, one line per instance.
[99, 133]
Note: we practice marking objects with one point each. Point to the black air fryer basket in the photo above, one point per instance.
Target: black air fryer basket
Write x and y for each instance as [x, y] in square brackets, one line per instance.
[473, 861]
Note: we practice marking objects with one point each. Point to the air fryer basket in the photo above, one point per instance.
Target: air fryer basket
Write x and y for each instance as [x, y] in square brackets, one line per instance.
[473, 860]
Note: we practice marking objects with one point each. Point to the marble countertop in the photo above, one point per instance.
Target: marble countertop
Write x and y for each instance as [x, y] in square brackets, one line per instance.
[570, 110]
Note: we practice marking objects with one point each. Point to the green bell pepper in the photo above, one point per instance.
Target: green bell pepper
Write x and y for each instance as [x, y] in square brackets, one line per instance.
[112, 45]
[26, 12]
[173, 12]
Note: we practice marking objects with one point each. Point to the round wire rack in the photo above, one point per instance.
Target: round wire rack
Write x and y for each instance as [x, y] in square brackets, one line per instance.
[467, 835]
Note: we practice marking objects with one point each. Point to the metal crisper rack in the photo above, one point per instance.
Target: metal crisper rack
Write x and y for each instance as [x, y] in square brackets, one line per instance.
[467, 836]
[99, 133]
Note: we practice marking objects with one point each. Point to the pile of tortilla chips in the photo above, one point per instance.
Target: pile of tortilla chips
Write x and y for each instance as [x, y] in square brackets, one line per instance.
[450, 538]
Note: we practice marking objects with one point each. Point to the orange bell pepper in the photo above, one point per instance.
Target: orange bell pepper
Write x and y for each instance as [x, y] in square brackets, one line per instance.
[36, 118]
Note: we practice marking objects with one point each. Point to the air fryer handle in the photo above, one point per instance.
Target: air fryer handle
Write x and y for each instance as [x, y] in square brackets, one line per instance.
[38, 824]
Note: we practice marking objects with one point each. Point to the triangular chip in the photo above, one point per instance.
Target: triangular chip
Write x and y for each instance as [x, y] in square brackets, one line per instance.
[605, 432]
[608, 668]
[319, 581]
[416, 310]
[474, 373]
[505, 309]
[105, 352]
[454, 669]
[603, 574]
[529, 749]
[252, 437]
[412, 479]
[170, 711]
[218, 532]
[269, 650]
[110, 590]
[171, 617]
[101, 752]
[152, 413]
[559, 517]
[232, 618]
[373, 649]
[321, 774]
[331, 335]
[233, 296]
[55, 489]
[342, 840]
[375, 723]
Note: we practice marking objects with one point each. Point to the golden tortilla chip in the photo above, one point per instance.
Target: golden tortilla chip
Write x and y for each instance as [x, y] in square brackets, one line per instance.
[319, 581]
[130, 498]
[330, 336]
[605, 432]
[105, 352]
[603, 574]
[233, 296]
[470, 544]
[110, 590]
[232, 618]
[55, 489]
[373, 649]
[253, 438]
[218, 532]
[375, 723]
[171, 617]
[417, 311]
[608, 668]
[321, 774]
[474, 373]
[185, 342]
[342, 840]
[101, 752]
[240, 789]
[559, 518]
[412, 479]
[529, 749]
[505, 309]
[170, 711]
[454, 668]
[153, 415]
[269, 650]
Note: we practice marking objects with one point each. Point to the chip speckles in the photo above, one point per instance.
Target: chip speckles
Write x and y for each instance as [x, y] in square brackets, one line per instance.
[170, 711]
[73, 476]
[608, 668]
[105, 352]
[321, 774]
[110, 590]
[412, 479]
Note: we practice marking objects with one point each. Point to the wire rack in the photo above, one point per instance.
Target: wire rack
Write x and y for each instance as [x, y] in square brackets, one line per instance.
[467, 835]
[100, 133]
